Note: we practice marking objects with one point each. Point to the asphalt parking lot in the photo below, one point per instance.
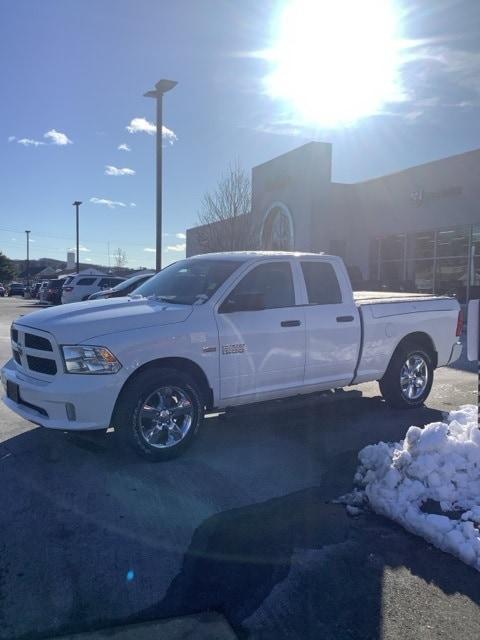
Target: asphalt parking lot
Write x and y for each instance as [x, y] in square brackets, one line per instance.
[242, 524]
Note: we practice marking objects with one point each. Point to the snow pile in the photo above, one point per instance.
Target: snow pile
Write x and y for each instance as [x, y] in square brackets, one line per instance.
[440, 462]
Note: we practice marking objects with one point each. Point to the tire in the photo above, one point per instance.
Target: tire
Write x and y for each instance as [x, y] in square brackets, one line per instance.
[414, 363]
[166, 390]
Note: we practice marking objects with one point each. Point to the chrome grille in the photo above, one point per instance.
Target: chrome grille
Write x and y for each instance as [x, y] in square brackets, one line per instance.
[34, 352]
[37, 342]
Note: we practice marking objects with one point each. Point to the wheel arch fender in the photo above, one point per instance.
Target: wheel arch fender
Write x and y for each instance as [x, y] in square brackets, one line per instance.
[419, 338]
[180, 364]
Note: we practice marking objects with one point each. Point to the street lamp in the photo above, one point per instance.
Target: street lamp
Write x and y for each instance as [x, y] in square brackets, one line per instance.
[28, 257]
[160, 88]
[77, 204]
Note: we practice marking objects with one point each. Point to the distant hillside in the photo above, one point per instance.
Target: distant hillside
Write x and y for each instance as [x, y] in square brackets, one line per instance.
[60, 266]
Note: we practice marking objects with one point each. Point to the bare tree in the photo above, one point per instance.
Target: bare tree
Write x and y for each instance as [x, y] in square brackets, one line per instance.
[120, 258]
[224, 216]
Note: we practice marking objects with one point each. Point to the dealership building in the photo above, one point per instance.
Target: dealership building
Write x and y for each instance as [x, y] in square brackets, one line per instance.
[418, 229]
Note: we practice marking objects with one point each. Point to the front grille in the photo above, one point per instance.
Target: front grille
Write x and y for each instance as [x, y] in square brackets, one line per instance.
[16, 356]
[42, 365]
[14, 334]
[37, 342]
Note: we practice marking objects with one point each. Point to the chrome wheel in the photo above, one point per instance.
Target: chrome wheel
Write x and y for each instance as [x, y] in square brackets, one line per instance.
[414, 377]
[165, 417]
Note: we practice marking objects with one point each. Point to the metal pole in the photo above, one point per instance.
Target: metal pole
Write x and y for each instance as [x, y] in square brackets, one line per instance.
[77, 204]
[161, 87]
[158, 246]
[28, 257]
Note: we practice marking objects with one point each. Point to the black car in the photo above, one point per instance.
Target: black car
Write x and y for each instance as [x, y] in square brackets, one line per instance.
[124, 288]
[53, 294]
[16, 289]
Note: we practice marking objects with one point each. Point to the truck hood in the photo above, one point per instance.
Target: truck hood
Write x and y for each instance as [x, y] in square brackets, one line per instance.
[81, 321]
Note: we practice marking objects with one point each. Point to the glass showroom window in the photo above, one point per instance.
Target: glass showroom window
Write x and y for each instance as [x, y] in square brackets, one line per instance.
[451, 277]
[452, 242]
[420, 274]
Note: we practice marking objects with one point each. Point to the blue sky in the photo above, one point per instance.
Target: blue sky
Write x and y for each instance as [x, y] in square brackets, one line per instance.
[80, 68]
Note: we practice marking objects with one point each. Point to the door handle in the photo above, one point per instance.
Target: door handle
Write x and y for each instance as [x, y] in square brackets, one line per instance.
[345, 318]
[290, 323]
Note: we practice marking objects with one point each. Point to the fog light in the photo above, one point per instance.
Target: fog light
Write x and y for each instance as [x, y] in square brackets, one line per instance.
[71, 413]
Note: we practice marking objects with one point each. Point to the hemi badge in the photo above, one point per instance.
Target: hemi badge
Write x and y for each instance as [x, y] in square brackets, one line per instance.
[209, 349]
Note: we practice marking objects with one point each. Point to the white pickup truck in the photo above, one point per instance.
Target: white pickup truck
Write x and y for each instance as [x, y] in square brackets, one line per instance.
[219, 330]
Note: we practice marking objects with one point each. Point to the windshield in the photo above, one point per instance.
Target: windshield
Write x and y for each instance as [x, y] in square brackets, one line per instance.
[189, 281]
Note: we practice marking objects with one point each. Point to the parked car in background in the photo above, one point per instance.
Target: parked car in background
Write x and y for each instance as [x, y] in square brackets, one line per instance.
[35, 288]
[16, 289]
[125, 288]
[53, 292]
[42, 292]
[2, 290]
[82, 286]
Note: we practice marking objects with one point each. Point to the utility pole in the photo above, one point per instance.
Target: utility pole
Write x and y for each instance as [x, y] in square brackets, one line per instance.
[160, 88]
[77, 204]
[28, 257]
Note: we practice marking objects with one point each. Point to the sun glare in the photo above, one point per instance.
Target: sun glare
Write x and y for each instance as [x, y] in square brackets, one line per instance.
[336, 61]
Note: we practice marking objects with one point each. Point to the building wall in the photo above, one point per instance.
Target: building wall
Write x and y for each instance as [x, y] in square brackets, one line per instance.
[298, 182]
[416, 228]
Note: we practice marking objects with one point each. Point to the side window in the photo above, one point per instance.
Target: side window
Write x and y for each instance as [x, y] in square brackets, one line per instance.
[86, 281]
[321, 282]
[268, 286]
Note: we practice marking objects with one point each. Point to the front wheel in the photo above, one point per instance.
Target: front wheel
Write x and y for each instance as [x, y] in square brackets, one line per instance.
[159, 413]
[409, 377]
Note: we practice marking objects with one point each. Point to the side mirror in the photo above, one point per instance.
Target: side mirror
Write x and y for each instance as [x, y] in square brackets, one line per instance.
[243, 302]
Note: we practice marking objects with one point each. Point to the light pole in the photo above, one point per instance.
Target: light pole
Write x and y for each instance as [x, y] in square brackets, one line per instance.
[28, 257]
[77, 204]
[161, 87]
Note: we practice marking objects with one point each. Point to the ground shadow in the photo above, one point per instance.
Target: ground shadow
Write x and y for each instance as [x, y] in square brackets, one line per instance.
[91, 537]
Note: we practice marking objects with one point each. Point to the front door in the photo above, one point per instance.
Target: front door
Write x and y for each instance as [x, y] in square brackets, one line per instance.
[261, 333]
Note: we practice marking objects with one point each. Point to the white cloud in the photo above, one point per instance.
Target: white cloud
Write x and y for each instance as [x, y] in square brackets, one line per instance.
[111, 204]
[57, 137]
[181, 236]
[88, 260]
[123, 147]
[29, 142]
[169, 135]
[133, 204]
[81, 248]
[11, 138]
[110, 170]
[149, 250]
[142, 125]
[177, 247]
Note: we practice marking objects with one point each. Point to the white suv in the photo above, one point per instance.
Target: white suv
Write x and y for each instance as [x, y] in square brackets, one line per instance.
[81, 286]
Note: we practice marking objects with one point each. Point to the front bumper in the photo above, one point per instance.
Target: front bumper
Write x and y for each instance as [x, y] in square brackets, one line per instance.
[92, 396]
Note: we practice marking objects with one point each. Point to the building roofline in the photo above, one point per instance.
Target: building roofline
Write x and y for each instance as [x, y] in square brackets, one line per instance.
[409, 169]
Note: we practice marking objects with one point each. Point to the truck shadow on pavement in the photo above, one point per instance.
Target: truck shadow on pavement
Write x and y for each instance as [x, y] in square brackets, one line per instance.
[242, 524]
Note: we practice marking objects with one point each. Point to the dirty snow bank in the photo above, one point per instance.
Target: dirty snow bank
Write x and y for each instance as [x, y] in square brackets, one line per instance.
[440, 462]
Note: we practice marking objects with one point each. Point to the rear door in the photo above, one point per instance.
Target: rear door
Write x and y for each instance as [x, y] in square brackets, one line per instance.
[333, 331]
[262, 333]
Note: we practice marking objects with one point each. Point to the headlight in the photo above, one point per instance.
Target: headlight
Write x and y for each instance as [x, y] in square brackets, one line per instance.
[80, 359]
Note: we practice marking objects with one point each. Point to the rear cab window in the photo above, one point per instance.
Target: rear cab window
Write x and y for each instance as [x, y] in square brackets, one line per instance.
[321, 282]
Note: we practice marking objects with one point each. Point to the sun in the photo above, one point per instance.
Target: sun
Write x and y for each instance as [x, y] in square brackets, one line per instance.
[336, 61]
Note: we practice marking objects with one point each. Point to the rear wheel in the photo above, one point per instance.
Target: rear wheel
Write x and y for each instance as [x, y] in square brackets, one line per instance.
[409, 377]
[159, 413]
